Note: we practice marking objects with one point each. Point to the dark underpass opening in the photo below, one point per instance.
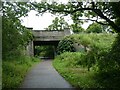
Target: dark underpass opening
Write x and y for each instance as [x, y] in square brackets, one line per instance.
[45, 49]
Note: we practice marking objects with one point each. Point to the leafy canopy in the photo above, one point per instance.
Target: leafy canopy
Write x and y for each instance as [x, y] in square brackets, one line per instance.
[108, 12]
[15, 36]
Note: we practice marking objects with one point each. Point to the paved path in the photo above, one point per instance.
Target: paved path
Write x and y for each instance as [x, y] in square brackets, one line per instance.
[44, 75]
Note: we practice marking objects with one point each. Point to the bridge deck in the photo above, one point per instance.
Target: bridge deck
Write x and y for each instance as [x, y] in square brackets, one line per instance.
[45, 35]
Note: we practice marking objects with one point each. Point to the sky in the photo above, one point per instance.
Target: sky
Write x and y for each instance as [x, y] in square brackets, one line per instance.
[37, 22]
[42, 22]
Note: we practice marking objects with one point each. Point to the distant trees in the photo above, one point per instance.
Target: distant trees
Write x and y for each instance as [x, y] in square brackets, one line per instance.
[77, 28]
[58, 24]
[44, 51]
[94, 28]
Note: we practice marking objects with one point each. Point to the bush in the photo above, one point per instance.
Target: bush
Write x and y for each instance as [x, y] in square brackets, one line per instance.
[65, 45]
[107, 60]
[115, 51]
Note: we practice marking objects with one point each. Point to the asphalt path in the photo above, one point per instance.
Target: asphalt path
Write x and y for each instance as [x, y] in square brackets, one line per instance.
[43, 75]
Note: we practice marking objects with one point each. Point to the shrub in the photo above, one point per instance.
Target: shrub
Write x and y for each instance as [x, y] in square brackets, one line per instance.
[111, 59]
[65, 45]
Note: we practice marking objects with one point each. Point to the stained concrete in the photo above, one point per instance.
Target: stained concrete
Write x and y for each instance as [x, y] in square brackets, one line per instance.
[44, 75]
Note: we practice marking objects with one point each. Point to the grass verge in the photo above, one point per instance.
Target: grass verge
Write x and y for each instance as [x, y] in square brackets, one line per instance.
[79, 77]
[91, 68]
[14, 71]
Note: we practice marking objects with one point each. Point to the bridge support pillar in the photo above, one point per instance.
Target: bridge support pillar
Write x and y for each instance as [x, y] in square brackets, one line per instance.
[30, 49]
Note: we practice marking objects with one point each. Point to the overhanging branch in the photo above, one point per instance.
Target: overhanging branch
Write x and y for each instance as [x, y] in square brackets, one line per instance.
[95, 21]
[97, 11]
[111, 23]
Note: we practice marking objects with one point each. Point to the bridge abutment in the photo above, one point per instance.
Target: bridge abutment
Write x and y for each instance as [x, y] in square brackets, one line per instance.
[30, 49]
[42, 37]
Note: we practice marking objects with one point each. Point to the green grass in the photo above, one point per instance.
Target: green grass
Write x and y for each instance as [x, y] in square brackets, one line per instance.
[14, 71]
[73, 66]
[98, 41]
[78, 76]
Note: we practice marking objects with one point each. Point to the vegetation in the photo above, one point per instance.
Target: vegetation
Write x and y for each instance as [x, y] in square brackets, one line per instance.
[93, 68]
[15, 70]
[97, 66]
[65, 45]
[15, 39]
[108, 12]
[94, 28]
[76, 28]
[67, 64]
[91, 41]
[58, 24]
[44, 51]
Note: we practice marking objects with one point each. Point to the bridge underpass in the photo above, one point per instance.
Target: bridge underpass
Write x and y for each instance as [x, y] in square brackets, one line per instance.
[50, 46]
[45, 37]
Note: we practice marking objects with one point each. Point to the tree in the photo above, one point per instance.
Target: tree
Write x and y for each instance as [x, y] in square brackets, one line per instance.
[104, 13]
[107, 11]
[94, 28]
[58, 24]
[14, 35]
[77, 28]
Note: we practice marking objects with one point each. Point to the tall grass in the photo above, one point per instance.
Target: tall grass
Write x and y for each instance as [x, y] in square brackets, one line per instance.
[90, 69]
[14, 71]
[98, 41]
[67, 64]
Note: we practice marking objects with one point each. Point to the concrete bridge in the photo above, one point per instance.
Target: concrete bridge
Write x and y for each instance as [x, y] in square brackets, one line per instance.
[45, 37]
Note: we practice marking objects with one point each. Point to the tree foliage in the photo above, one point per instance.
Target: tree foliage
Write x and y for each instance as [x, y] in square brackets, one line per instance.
[77, 28]
[44, 51]
[65, 45]
[107, 11]
[94, 28]
[15, 36]
[58, 24]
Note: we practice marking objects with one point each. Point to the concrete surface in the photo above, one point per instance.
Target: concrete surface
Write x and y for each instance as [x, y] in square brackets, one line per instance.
[44, 75]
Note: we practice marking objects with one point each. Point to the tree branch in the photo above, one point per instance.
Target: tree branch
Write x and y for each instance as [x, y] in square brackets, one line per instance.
[95, 21]
[97, 11]
[111, 23]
